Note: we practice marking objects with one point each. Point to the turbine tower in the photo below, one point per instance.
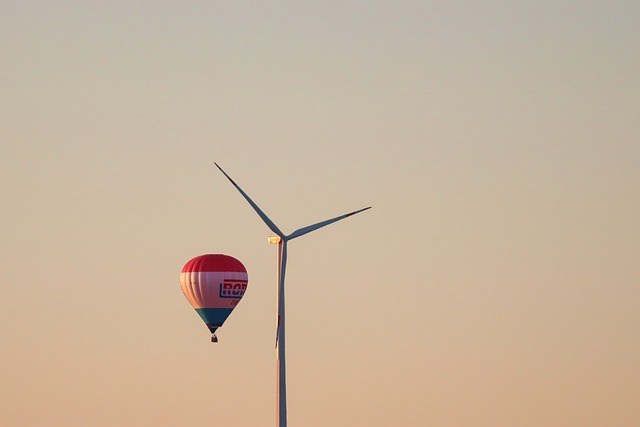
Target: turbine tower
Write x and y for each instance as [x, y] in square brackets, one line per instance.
[281, 240]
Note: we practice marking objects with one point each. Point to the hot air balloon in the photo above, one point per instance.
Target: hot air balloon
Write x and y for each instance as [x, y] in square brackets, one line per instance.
[214, 285]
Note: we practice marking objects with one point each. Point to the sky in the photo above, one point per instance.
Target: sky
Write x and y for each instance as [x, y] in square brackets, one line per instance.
[495, 281]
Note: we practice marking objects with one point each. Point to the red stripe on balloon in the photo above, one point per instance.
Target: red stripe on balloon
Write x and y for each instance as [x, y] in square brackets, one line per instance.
[213, 262]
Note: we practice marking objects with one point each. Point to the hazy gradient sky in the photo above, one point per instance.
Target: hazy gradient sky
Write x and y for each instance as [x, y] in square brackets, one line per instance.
[495, 282]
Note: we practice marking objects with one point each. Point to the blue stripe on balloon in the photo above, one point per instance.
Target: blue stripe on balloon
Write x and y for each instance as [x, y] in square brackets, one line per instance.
[214, 316]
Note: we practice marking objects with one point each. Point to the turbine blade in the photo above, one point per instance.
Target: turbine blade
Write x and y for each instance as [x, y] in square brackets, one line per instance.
[282, 268]
[304, 230]
[255, 207]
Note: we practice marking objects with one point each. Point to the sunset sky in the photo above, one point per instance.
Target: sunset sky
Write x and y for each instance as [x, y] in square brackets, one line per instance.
[495, 282]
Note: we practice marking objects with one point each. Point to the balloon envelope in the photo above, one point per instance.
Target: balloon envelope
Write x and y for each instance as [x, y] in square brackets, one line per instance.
[214, 285]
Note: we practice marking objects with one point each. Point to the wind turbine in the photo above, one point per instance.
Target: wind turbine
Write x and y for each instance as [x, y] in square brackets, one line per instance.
[281, 240]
